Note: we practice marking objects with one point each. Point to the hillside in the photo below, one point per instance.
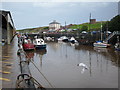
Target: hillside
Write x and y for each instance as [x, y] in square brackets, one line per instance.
[93, 27]
[33, 30]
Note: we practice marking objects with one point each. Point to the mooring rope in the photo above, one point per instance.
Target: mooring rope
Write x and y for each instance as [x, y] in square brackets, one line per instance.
[40, 71]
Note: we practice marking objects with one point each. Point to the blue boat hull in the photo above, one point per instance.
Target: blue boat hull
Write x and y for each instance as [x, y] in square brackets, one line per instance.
[117, 49]
[40, 46]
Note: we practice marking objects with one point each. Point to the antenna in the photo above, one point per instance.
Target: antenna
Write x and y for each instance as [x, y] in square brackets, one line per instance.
[89, 22]
[65, 25]
[101, 30]
[90, 17]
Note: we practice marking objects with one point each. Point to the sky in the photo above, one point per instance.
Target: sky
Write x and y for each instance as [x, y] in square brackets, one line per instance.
[38, 14]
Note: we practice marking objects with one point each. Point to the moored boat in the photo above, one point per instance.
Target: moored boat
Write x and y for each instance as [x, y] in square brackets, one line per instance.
[64, 39]
[101, 44]
[28, 45]
[72, 40]
[39, 43]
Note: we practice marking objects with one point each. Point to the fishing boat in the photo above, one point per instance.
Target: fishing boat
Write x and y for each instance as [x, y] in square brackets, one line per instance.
[39, 43]
[28, 45]
[101, 43]
[102, 50]
[72, 40]
[63, 38]
[49, 39]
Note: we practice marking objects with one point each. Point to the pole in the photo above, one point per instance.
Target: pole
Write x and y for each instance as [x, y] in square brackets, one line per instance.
[65, 25]
[107, 30]
[101, 30]
[89, 22]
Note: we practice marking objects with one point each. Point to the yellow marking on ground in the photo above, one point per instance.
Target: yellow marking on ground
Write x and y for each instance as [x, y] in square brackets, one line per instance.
[5, 72]
[5, 59]
[7, 67]
[6, 56]
[6, 62]
[5, 79]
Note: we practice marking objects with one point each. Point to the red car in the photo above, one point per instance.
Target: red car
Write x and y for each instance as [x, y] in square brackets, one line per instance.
[28, 45]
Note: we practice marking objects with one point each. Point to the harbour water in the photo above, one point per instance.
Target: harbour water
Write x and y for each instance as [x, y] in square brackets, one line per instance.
[58, 64]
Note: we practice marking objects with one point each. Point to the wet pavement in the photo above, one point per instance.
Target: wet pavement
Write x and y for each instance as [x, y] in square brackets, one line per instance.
[59, 65]
[10, 65]
[0, 64]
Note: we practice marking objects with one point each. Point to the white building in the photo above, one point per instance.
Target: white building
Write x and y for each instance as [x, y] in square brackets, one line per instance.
[53, 26]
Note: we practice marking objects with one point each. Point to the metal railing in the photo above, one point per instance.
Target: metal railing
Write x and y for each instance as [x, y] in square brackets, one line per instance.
[25, 79]
[111, 35]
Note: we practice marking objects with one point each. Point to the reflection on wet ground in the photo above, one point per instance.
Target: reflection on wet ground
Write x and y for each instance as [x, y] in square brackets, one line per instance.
[59, 64]
[10, 65]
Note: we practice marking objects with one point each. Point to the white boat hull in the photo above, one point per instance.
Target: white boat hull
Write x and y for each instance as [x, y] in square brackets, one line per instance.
[100, 45]
[39, 43]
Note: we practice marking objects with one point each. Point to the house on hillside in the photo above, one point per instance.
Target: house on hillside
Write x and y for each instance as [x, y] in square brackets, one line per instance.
[92, 21]
[53, 26]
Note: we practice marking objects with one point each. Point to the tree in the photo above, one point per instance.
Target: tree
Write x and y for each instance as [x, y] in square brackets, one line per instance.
[84, 28]
[114, 24]
[106, 26]
[46, 28]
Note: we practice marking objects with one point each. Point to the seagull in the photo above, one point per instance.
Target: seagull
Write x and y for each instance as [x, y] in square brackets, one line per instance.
[82, 65]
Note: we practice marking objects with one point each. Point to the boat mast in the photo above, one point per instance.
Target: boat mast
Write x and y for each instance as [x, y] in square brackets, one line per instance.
[89, 22]
[107, 30]
[66, 28]
[65, 25]
[101, 30]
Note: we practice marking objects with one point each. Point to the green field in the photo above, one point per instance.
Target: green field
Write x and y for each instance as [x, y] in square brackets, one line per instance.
[90, 27]
[33, 30]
